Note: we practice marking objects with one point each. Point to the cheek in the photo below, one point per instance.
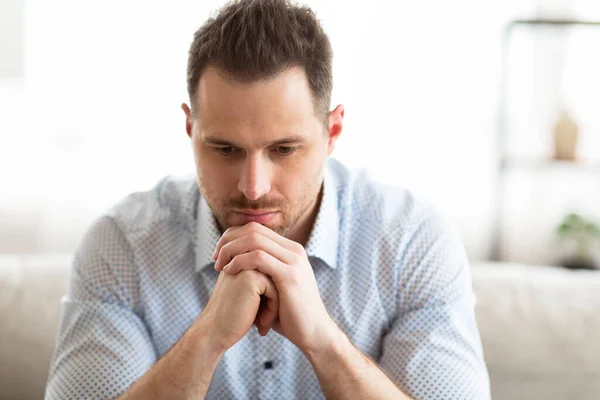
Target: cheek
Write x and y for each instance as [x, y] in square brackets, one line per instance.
[299, 178]
[205, 162]
[203, 167]
[217, 179]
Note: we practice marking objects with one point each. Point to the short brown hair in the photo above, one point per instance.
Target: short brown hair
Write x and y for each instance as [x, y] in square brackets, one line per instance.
[251, 40]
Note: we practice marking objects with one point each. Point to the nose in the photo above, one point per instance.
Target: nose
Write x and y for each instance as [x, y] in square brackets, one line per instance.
[255, 180]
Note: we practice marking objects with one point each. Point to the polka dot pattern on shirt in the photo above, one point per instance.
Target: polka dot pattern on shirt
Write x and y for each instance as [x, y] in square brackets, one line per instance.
[390, 270]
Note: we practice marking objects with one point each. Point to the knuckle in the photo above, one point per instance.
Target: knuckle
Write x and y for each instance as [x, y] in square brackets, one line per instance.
[297, 258]
[224, 250]
[261, 255]
[253, 225]
[254, 238]
[298, 248]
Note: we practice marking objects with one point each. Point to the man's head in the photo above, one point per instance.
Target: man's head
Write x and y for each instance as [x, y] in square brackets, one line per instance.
[259, 81]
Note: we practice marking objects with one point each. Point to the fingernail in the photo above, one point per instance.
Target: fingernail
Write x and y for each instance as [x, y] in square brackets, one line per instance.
[225, 268]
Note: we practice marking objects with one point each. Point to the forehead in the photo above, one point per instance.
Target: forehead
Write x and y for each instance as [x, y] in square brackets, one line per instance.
[281, 102]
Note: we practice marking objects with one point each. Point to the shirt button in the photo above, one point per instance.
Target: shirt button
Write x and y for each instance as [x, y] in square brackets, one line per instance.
[268, 364]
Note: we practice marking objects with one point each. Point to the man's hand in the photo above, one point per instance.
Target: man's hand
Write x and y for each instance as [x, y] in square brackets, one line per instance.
[234, 306]
[186, 371]
[303, 318]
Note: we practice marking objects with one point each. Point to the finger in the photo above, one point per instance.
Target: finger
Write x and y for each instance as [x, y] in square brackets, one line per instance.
[237, 232]
[261, 261]
[250, 242]
[276, 326]
[262, 330]
[272, 308]
[227, 236]
[269, 314]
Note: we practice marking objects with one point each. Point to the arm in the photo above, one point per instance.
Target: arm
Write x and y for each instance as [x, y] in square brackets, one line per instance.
[433, 349]
[346, 373]
[104, 346]
[343, 371]
[185, 372]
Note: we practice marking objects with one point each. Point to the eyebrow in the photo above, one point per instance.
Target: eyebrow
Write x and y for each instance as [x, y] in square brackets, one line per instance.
[222, 142]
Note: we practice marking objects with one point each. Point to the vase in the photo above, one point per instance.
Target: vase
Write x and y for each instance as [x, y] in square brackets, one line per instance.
[566, 134]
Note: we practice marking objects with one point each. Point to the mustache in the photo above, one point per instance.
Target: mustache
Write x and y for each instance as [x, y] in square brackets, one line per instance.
[260, 203]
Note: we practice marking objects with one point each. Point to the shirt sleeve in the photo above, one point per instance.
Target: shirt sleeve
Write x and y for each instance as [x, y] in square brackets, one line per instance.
[433, 349]
[103, 345]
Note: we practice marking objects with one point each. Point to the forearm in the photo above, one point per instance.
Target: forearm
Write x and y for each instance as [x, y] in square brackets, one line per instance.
[185, 372]
[346, 373]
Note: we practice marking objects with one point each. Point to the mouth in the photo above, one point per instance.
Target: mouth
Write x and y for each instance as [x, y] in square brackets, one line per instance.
[255, 212]
[260, 216]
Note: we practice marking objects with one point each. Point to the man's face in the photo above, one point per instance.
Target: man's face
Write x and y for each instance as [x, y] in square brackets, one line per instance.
[260, 149]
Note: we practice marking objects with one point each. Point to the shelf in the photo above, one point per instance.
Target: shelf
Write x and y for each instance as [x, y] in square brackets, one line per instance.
[537, 164]
[508, 163]
[552, 22]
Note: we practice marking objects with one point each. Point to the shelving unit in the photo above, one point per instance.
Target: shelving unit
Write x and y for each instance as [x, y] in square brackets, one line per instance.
[509, 163]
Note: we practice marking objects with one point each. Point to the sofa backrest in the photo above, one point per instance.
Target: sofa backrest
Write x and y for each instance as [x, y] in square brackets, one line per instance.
[539, 327]
[30, 291]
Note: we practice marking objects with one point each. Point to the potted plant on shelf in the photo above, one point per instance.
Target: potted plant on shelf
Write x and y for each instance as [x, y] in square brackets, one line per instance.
[582, 233]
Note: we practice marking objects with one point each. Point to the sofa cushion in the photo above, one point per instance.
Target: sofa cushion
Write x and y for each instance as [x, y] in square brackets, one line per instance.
[540, 329]
[30, 291]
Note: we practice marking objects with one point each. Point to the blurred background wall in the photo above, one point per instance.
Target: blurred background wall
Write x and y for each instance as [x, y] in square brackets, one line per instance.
[90, 96]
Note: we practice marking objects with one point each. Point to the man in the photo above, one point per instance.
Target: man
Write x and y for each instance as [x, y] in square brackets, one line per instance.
[276, 273]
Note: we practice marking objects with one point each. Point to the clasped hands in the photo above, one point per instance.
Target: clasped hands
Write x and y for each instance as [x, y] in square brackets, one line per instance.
[257, 262]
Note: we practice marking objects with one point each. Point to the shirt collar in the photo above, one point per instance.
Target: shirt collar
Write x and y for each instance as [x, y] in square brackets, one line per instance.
[322, 242]
[208, 236]
[324, 237]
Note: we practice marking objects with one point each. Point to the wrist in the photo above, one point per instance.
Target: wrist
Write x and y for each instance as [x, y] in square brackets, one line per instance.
[330, 343]
[201, 338]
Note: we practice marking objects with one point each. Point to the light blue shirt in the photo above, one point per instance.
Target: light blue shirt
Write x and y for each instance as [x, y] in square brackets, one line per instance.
[391, 272]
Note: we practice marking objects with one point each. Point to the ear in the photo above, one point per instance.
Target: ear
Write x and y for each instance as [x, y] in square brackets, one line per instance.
[188, 119]
[336, 119]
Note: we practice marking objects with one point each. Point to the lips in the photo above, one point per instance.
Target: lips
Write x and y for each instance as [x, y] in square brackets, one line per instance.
[255, 212]
[260, 216]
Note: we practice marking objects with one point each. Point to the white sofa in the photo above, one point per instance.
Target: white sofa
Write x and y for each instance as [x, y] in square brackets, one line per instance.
[540, 327]
[30, 292]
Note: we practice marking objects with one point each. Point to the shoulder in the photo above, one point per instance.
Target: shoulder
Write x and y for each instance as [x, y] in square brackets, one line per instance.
[165, 210]
[171, 200]
[389, 212]
[138, 224]
[402, 242]
[405, 230]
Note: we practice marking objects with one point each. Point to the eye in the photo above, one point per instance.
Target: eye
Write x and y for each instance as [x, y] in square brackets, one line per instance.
[285, 150]
[227, 150]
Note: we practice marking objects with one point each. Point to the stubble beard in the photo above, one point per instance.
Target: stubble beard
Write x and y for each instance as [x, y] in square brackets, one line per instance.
[289, 214]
